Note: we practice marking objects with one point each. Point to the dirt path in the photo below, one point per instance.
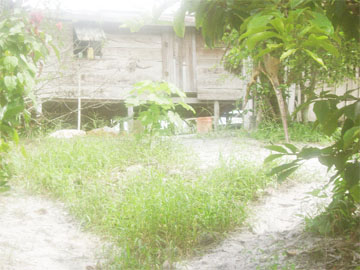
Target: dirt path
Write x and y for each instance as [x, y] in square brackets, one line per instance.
[274, 232]
[38, 234]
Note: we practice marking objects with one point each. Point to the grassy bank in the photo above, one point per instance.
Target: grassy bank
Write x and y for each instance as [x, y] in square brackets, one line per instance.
[151, 202]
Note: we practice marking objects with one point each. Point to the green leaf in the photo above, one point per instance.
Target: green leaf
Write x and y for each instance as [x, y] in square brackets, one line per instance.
[272, 157]
[20, 78]
[322, 21]
[10, 82]
[305, 31]
[276, 148]
[213, 25]
[283, 167]
[316, 58]
[256, 38]
[12, 111]
[10, 62]
[322, 41]
[292, 147]
[269, 49]
[327, 160]
[331, 124]
[23, 151]
[352, 174]
[17, 28]
[295, 3]
[294, 16]
[259, 21]
[349, 123]
[278, 25]
[287, 54]
[179, 22]
[352, 111]
[253, 31]
[56, 50]
[309, 152]
[16, 137]
[186, 106]
[350, 135]
[322, 110]
[355, 193]
[282, 176]
[4, 147]
[330, 48]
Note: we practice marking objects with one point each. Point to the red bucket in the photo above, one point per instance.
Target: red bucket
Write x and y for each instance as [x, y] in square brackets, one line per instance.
[204, 124]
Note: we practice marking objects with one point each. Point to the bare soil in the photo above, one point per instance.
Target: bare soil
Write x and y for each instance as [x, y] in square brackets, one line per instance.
[37, 234]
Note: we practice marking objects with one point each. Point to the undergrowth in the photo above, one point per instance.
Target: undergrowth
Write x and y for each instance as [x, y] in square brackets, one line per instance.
[298, 132]
[152, 204]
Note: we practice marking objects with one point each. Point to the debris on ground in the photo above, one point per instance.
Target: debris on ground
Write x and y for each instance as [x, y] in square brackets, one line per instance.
[67, 133]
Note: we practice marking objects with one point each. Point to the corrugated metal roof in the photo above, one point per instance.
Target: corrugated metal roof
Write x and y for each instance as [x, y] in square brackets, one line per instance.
[89, 33]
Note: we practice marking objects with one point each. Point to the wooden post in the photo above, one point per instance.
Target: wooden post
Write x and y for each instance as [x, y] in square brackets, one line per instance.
[79, 102]
[131, 120]
[247, 118]
[216, 114]
[39, 109]
[291, 101]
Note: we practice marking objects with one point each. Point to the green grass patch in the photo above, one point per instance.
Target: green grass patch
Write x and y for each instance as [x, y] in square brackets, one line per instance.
[298, 132]
[150, 202]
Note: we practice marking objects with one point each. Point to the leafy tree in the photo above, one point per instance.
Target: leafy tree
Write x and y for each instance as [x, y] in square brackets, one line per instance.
[271, 31]
[23, 47]
[156, 104]
[276, 31]
[298, 69]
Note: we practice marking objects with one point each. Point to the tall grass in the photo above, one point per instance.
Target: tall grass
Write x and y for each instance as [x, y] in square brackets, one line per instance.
[150, 202]
[298, 132]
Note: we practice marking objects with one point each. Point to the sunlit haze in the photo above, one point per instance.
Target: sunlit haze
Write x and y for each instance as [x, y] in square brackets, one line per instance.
[95, 5]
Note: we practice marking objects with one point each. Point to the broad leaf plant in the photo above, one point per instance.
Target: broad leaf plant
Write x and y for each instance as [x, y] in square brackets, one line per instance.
[23, 47]
[156, 103]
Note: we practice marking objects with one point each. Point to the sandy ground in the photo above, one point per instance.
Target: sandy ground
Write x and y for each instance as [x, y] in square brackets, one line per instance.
[275, 229]
[38, 234]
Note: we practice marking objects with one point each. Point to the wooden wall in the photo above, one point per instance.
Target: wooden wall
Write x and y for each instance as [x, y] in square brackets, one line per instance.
[213, 82]
[127, 58]
[154, 53]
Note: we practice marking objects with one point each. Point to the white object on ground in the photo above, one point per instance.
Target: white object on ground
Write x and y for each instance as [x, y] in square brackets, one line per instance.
[67, 133]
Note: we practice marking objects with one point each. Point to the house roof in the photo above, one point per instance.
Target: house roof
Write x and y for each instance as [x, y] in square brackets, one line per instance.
[108, 16]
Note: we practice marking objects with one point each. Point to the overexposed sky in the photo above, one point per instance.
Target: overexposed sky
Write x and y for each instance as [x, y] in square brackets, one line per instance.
[96, 5]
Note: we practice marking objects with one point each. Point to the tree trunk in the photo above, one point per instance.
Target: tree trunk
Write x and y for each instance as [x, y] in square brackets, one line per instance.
[270, 108]
[272, 66]
[282, 107]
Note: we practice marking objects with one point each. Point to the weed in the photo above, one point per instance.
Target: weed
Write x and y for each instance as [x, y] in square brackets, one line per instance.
[298, 132]
[152, 204]
[273, 132]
